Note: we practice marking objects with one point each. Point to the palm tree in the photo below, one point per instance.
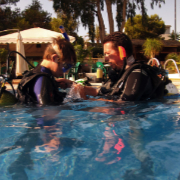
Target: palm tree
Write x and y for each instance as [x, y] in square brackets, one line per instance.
[152, 47]
[97, 34]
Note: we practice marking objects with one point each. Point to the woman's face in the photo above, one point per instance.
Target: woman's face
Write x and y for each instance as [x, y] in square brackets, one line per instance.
[61, 67]
[56, 68]
[112, 56]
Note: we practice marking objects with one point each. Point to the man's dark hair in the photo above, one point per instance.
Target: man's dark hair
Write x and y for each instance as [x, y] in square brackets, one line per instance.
[120, 39]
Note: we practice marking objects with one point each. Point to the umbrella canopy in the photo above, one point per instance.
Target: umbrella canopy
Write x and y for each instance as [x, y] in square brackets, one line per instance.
[21, 64]
[33, 35]
[31, 38]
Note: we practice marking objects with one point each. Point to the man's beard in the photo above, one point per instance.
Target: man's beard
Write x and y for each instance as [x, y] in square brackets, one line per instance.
[114, 74]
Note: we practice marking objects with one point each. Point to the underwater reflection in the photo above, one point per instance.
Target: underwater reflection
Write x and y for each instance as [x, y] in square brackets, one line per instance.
[85, 141]
[42, 137]
[111, 140]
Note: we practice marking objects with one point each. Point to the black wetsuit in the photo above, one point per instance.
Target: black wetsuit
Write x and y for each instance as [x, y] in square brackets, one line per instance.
[39, 86]
[138, 86]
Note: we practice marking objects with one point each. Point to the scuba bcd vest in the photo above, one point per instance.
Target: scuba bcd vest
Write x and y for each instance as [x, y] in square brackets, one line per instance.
[6, 97]
[157, 75]
[25, 88]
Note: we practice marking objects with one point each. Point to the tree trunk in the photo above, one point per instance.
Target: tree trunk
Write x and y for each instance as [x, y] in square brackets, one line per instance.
[124, 15]
[110, 16]
[101, 22]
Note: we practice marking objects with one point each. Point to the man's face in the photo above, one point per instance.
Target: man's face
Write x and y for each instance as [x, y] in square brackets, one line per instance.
[112, 56]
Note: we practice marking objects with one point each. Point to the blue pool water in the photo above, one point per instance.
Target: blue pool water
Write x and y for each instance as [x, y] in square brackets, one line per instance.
[91, 140]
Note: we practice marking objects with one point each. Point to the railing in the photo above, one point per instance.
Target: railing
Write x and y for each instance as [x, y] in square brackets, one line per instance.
[177, 75]
[156, 60]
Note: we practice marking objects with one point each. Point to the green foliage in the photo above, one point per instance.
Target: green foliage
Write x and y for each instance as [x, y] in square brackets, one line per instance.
[32, 16]
[170, 65]
[3, 55]
[158, 2]
[88, 10]
[55, 23]
[9, 18]
[151, 28]
[82, 53]
[22, 24]
[6, 2]
[152, 47]
[174, 56]
[97, 34]
[85, 10]
[172, 36]
[36, 16]
[79, 40]
[97, 52]
[69, 23]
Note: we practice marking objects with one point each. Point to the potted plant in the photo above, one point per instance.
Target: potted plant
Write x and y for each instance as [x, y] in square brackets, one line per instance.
[152, 47]
[81, 54]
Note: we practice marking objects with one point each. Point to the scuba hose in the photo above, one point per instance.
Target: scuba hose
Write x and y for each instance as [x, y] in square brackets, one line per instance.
[21, 56]
[6, 97]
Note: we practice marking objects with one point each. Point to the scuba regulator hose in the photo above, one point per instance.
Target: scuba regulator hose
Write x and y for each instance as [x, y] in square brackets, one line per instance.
[8, 78]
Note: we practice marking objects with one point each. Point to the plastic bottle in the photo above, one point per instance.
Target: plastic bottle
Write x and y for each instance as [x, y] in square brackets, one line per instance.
[99, 75]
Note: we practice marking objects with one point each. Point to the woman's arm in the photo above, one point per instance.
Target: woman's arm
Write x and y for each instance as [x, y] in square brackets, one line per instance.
[64, 83]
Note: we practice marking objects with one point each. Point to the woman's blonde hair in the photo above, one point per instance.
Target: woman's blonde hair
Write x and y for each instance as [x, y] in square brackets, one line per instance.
[63, 48]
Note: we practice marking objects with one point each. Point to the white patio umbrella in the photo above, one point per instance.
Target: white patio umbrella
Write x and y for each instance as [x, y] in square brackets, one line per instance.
[21, 64]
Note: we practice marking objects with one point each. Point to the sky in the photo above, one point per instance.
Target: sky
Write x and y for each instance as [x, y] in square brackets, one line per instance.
[166, 12]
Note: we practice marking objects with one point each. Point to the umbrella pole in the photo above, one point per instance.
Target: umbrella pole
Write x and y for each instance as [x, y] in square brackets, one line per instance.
[7, 61]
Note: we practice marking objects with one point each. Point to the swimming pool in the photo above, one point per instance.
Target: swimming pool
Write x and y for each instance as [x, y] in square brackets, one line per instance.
[91, 140]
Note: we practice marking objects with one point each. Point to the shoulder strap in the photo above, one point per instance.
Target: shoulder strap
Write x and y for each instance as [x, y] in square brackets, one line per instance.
[153, 72]
[121, 82]
[23, 88]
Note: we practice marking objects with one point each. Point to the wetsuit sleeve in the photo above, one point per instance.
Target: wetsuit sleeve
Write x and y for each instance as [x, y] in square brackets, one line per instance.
[43, 90]
[138, 86]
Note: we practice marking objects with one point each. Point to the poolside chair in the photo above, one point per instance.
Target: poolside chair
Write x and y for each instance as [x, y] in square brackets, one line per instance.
[35, 63]
[74, 71]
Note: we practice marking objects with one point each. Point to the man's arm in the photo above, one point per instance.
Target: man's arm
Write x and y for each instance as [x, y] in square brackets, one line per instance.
[66, 83]
[90, 91]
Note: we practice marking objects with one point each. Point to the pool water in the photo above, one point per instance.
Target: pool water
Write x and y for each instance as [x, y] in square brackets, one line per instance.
[91, 140]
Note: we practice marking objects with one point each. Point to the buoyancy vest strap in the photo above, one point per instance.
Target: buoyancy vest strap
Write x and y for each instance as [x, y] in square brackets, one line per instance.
[152, 72]
[120, 84]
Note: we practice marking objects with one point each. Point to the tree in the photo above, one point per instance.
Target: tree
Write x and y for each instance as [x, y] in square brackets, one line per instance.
[9, 18]
[152, 28]
[172, 36]
[88, 10]
[5, 2]
[69, 23]
[97, 34]
[82, 53]
[152, 47]
[35, 16]
[32, 16]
